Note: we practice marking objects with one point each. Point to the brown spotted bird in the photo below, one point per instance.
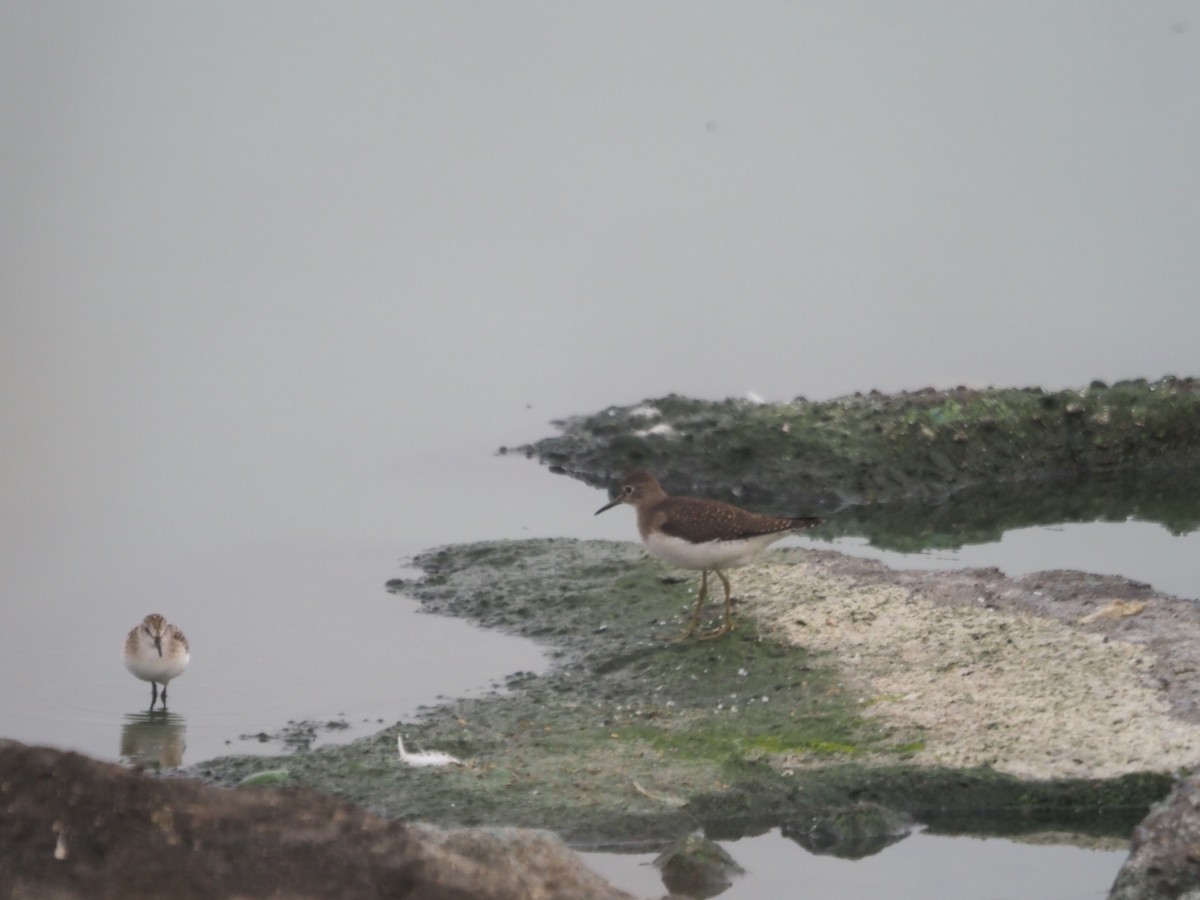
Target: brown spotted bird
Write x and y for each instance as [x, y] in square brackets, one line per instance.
[708, 535]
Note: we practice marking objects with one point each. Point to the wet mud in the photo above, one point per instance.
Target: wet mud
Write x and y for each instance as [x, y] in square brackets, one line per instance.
[630, 740]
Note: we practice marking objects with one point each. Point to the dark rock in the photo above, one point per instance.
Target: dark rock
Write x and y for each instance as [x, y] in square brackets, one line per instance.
[73, 828]
[1164, 862]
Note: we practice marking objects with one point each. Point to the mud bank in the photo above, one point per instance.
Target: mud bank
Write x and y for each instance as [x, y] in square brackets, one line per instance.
[972, 702]
[881, 448]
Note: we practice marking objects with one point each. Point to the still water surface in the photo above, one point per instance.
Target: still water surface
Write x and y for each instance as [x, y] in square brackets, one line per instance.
[921, 865]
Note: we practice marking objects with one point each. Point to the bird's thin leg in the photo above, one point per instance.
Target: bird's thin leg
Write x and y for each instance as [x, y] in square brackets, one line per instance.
[153, 695]
[695, 620]
[164, 695]
[727, 626]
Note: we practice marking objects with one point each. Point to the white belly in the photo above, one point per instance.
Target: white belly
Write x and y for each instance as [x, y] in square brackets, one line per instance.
[157, 668]
[710, 555]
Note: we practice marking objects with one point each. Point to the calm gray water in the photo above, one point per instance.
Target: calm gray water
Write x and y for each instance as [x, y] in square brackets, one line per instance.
[921, 865]
[278, 279]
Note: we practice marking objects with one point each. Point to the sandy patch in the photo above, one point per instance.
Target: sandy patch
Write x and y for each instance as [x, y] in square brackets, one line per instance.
[1024, 693]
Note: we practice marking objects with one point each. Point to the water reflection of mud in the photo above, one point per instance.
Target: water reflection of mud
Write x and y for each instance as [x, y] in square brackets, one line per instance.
[154, 740]
[695, 866]
[982, 514]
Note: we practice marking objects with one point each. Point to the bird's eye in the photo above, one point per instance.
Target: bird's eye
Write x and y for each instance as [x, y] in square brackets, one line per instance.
[628, 490]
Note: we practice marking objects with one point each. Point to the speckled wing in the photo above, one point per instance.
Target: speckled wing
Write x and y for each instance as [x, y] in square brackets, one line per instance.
[701, 521]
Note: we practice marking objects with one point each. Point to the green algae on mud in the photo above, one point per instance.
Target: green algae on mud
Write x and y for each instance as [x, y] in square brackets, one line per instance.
[877, 448]
[631, 740]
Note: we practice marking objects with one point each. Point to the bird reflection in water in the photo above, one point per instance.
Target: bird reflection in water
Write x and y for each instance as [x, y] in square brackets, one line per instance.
[154, 740]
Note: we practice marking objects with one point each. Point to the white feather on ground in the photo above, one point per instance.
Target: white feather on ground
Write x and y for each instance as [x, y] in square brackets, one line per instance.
[426, 757]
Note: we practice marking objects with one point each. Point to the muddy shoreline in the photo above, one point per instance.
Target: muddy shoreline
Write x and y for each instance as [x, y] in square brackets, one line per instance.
[632, 741]
[972, 702]
[919, 447]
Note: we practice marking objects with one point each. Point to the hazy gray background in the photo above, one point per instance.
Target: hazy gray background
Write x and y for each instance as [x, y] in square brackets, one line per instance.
[277, 278]
[251, 251]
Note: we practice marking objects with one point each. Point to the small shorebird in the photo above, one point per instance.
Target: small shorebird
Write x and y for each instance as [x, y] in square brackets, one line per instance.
[156, 651]
[701, 534]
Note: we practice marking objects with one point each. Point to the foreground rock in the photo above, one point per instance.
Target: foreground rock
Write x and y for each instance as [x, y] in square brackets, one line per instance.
[72, 828]
[1165, 862]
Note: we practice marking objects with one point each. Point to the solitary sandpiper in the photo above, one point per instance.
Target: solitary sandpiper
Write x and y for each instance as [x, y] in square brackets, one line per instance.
[708, 535]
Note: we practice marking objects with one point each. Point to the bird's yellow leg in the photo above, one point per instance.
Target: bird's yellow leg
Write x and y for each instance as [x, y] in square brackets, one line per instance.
[727, 626]
[695, 620]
